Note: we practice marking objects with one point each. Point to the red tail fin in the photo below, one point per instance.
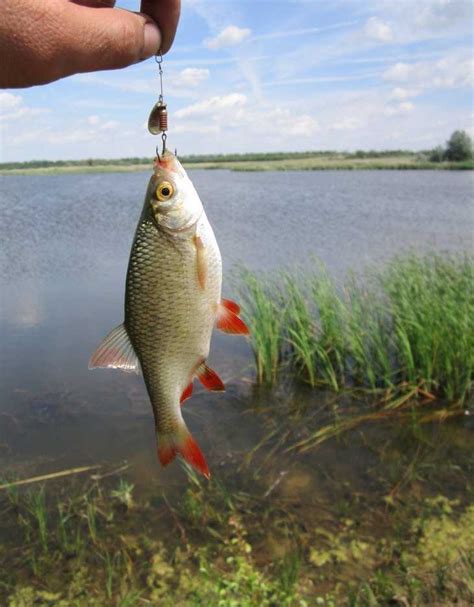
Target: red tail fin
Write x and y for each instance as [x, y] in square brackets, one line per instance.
[183, 443]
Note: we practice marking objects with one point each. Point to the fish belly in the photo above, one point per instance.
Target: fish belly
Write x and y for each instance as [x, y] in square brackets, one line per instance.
[169, 316]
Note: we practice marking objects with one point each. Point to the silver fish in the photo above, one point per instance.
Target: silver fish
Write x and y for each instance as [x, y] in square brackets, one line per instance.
[172, 302]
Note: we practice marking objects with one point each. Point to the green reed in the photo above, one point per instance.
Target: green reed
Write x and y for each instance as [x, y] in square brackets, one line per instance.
[409, 325]
[264, 311]
[431, 303]
[36, 506]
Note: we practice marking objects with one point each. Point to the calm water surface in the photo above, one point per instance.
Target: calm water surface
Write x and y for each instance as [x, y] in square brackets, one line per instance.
[65, 245]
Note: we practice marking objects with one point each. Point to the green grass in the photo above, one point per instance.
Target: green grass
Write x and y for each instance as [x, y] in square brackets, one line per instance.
[409, 326]
[265, 314]
[331, 561]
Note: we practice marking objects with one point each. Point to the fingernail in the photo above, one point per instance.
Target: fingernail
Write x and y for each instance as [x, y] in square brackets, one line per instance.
[151, 39]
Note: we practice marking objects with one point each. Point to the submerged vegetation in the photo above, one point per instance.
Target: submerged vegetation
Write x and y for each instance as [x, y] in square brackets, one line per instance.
[407, 329]
[80, 543]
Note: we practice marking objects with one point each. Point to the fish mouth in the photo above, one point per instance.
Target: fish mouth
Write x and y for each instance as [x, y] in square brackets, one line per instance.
[166, 161]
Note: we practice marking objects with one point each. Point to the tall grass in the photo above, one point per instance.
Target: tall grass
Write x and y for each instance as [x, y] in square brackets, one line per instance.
[265, 314]
[431, 303]
[409, 325]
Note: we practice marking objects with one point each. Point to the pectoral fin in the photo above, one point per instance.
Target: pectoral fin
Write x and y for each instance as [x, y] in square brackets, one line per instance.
[116, 352]
[201, 261]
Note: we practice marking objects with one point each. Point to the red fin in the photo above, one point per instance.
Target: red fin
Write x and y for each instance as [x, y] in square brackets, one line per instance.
[183, 443]
[186, 393]
[229, 322]
[231, 305]
[194, 456]
[209, 378]
[166, 452]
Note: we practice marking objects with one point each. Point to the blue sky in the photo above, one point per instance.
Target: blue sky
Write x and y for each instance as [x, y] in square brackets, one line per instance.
[267, 76]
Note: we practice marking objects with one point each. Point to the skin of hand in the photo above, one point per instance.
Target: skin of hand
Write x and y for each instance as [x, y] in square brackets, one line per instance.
[44, 40]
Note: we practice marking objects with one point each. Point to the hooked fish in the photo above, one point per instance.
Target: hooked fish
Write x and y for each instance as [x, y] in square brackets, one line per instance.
[172, 303]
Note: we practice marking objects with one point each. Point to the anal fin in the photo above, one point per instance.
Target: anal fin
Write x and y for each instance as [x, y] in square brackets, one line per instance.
[186, 393]
[209, 378]
[116, 352]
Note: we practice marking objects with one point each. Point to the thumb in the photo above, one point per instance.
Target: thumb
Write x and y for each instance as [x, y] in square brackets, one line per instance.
[94, 39]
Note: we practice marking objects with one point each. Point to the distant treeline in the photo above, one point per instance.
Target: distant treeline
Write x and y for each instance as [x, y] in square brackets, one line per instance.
[135, 160]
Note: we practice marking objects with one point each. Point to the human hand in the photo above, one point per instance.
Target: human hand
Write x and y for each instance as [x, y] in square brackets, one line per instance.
[44, 40]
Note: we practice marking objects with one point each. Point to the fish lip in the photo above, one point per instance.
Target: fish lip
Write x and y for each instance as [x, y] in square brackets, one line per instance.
[166, 161]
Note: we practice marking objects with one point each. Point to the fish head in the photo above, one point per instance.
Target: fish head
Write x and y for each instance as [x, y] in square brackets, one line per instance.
[174, 203]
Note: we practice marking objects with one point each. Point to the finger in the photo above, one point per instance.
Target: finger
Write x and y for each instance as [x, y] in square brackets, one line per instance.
[96, 3]
[166, 14]
[107, 39]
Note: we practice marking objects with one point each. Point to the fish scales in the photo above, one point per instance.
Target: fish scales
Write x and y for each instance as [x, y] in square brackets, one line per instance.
[168, 316]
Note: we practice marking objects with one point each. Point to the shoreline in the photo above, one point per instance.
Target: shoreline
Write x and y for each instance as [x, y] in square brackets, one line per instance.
[316, 163]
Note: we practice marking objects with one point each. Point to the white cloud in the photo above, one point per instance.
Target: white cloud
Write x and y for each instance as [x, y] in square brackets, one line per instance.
[400, 108]
[412, 21]
[377, 29]
[197, 128]
[110, 125]
[442, 14]
[93, 120]
[212, 106]
[9, 101]
[449, 72]
[402, 93]
[229, 36]
[190, 77]
[346, 124]
[283, 121]
[12, 107]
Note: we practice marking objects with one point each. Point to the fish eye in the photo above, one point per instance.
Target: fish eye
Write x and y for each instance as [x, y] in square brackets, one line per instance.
[164, 191]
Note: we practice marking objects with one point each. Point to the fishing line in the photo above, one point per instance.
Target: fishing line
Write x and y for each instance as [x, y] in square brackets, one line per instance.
[158, 119]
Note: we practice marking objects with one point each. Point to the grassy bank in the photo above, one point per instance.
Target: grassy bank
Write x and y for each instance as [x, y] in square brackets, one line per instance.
[309, 161]
[408, 329]
[77, 544]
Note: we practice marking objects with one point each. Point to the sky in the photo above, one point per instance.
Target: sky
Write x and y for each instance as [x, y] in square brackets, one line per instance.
[267, 75]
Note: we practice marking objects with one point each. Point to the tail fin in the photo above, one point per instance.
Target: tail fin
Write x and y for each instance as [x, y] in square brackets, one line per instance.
[182, 442]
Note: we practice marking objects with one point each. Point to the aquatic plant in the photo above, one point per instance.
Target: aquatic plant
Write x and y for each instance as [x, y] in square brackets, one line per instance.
[409, 325]
[124, 493]
[265, 313]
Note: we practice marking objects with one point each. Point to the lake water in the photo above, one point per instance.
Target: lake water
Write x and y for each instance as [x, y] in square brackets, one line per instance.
[65, 245]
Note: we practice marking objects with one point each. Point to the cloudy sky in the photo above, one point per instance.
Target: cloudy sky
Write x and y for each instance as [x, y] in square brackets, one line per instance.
[265, 75]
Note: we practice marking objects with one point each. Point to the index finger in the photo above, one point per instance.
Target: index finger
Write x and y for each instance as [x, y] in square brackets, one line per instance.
[166, 15]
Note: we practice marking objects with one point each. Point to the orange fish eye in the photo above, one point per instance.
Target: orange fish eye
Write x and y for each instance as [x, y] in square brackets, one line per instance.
[164, 191]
